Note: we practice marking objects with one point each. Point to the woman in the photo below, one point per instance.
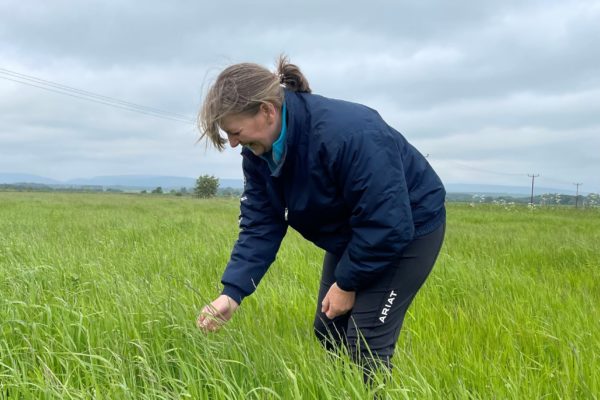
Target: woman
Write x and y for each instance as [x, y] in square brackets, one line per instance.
[345, 180]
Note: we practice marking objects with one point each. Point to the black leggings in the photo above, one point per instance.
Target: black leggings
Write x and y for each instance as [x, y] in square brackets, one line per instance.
[370, 330]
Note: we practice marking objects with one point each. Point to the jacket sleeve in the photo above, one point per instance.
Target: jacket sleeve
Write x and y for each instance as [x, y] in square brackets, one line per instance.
[369, 170]
[261, 233]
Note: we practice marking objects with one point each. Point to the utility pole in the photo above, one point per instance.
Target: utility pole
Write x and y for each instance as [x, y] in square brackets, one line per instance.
[533, 176]
[577, 195]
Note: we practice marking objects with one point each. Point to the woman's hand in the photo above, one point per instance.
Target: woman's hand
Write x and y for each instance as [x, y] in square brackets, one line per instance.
[337, 302]
[216, 314]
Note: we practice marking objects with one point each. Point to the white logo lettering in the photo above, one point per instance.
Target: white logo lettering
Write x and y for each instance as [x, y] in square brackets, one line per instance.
[387, 306]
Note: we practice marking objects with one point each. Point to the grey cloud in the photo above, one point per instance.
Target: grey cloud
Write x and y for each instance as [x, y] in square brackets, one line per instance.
[463, 80]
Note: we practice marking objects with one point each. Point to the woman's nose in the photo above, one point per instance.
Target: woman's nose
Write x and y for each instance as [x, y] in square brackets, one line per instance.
[233, 141]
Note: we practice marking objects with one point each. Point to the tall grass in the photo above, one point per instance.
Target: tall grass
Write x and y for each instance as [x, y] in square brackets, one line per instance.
[99, 294]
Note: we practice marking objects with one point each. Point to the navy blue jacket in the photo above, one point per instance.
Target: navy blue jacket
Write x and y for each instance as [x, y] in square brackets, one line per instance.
[348, 182]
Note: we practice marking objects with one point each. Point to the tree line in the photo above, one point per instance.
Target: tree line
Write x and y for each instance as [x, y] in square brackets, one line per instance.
[206, 186]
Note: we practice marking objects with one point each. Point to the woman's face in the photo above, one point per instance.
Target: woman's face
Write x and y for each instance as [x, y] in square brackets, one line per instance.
[257, 132]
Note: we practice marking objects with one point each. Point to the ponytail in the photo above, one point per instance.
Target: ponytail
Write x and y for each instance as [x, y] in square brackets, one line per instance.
[290, 76]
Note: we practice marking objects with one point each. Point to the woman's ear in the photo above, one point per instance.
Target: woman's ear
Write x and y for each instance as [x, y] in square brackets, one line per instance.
[269, 110]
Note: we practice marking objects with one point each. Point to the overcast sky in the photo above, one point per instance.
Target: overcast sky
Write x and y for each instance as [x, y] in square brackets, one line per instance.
[492, 91]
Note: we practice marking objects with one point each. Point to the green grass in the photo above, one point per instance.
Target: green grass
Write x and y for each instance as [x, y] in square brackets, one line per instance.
[99, 295]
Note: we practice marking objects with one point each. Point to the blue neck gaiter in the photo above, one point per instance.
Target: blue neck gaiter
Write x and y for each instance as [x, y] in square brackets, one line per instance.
[273, 158]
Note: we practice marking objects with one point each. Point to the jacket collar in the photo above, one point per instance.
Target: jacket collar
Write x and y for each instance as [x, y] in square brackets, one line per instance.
[296, 118]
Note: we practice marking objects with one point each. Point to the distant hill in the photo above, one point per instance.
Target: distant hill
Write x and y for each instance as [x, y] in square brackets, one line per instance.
[148, 182]
[26, 178]
[123, 182]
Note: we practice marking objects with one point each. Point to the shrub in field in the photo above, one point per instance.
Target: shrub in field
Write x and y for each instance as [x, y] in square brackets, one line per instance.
[206, 186]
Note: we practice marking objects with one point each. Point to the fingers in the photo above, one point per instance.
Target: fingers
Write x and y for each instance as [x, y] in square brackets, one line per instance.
[328, 309]
[209, 319]
[325, 305]
[214, 315]
[331, 313]
[209, 323]
[337, 302]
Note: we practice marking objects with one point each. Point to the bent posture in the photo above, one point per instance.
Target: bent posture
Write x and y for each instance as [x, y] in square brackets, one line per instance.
[343, 178]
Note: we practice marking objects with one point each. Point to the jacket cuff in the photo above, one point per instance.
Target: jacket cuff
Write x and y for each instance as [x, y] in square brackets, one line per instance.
[345, 284]
[234, 292]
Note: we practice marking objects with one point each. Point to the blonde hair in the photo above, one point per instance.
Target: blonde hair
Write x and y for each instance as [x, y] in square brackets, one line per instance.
[241, 89]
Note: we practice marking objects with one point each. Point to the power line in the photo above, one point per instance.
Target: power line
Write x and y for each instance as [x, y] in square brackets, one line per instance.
[87, 93]
[544, 178]
[90, 96]
[487, 171]
[554, 180]
[97, 101]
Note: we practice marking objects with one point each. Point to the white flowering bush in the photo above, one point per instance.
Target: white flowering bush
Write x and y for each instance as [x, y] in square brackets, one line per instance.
[507, 205]
[592, 200]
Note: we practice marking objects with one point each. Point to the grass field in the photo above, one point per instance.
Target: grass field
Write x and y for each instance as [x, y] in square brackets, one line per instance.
[99, 295]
